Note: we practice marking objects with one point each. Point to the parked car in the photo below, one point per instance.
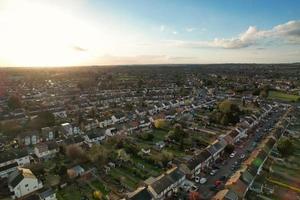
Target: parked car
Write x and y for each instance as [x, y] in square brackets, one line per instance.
[213, 172]
[197, 179]
[203, 180]
[232, 154]
[242, 156]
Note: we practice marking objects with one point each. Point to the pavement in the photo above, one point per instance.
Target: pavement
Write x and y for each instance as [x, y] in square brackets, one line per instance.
[262, 130]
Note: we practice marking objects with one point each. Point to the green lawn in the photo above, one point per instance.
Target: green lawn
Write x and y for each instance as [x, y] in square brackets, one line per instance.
[155, 171]
[99, 185]
[73, 192]
[159, 134]
[126, 178]
[282, 96]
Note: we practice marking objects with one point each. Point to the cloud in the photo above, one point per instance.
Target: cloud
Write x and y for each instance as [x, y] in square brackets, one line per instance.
[78, 48]
[191, 29]
[288, 32]
[174, 32]
[162, 28]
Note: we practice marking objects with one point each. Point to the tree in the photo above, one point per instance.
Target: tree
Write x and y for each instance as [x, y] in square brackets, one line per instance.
[14, 102]
[160, 123]
[98, 154]
[285, 146]
[47, 118]
[227, 106]
[228, 112]
[177, 132]
[97, 194]
[166, 157]
[75, 152]
[194, 196]
[229, 148]
[122, 155]
[179, 135]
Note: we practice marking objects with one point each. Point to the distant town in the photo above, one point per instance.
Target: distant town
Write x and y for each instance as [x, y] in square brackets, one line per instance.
[150, 132]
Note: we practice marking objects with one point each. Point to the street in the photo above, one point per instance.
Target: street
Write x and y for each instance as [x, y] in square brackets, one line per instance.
[244, 147]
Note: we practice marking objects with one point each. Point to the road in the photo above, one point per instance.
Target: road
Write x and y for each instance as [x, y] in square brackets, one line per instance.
[263, 129]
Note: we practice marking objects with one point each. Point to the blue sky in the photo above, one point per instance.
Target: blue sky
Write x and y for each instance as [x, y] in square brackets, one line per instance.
[149, 31]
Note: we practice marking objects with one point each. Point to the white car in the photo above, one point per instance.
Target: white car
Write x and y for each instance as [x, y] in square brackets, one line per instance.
[203, 180]
[232, 154]
[213, 172]
[197, 179]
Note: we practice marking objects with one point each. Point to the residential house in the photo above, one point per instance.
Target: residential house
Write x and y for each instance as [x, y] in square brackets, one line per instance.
[193, 166]
[10, 160]
[164, 185]
[48, 194]
[105, 122]
[95, 135]
[46, 151]
[145, 124]
[118, 118]
[216, 148]
[75, 171]
[67, 129]
[141, 193]
[48, 133]
[29, 138]
[22, 182]
[111, 131]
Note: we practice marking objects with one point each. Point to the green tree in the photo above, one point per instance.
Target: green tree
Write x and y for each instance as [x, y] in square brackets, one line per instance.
[285, 146]
[228, 106]
[14, 102]
[229, 148]
[98, 154]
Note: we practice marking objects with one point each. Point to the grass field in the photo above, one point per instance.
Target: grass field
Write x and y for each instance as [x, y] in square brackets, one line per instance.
[283, 96]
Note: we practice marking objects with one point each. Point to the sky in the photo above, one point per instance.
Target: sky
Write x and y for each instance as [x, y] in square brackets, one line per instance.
[112, 32]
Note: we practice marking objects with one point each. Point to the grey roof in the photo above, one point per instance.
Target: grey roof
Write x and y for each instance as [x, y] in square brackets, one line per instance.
[161, 184]
[176, 175]
[231, 195]
[15, 178]
[6, 167]
[167, 180]
[13, 154]
[46, 193]
[143, 194]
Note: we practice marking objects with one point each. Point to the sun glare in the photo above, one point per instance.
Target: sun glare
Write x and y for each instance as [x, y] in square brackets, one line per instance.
[33, 34]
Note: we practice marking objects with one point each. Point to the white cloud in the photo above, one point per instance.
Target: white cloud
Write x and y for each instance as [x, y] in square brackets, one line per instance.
[191, 29]
[162, 28]
[175, 32]
[288, 32]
